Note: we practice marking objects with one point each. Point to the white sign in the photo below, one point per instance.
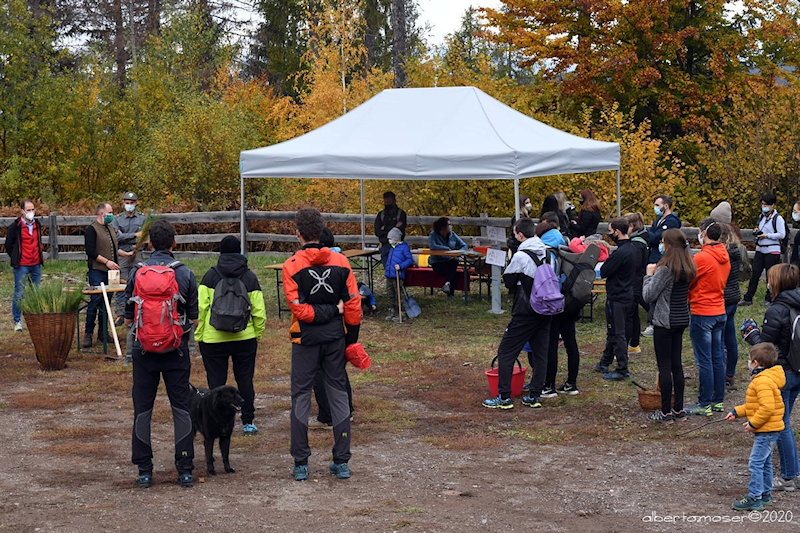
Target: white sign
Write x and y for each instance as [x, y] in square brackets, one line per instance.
[496, 234]
[496, 257]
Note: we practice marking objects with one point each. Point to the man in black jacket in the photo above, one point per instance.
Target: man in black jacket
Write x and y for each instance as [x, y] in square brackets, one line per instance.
[24, 247]
[391, 217]
[619, 271]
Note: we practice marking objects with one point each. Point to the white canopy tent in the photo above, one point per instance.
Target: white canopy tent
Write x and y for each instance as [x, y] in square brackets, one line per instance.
[441, 133]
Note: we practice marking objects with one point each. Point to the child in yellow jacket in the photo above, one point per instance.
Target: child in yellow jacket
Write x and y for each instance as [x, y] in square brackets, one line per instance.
[764, 411]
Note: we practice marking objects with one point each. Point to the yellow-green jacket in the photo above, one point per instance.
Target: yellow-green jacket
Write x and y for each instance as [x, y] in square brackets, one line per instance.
[763, 405]
[230, 265]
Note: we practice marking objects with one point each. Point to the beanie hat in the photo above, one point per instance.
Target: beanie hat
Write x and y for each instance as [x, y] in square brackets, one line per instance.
[395, 234]
[722, 213]
[230, 245]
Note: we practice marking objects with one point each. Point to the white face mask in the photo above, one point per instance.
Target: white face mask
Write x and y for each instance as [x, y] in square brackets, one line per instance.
[528, 207]
[700, 238]
[29, 215]
[129, 208]
[795, 216]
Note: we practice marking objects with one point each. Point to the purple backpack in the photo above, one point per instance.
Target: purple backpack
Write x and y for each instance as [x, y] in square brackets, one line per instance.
[546, 297]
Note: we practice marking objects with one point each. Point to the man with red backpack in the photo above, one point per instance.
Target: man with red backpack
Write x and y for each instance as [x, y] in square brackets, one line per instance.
[162, 306]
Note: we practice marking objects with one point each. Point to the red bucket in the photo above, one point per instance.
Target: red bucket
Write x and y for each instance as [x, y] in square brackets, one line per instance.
[517, 379]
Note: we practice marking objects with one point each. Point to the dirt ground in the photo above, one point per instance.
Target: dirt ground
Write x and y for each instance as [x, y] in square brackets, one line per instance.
[426, 455]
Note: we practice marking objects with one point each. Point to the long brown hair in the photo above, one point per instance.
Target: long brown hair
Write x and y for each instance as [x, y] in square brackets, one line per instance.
[590, 201]
[729, 236]
[782, 277]
[677, 257]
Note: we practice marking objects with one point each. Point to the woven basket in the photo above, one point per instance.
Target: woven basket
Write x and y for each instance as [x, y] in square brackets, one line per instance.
[52, 335]
[650, 400]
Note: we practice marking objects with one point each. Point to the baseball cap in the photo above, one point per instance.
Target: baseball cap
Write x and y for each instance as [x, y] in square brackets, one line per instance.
[129, 196]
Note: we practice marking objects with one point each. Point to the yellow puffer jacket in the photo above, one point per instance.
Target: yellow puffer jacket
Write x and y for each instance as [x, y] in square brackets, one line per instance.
[763, 403]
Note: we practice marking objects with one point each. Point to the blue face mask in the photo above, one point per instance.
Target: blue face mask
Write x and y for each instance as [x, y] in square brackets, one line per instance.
[661, 247]
[657, 210]
[765, 209]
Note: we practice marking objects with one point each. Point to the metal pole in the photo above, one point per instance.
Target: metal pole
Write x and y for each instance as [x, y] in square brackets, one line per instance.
[619, 197]
[363, 219]
[242, 229]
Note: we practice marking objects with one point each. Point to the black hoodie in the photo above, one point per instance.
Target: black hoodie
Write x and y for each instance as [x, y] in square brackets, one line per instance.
[777, 327]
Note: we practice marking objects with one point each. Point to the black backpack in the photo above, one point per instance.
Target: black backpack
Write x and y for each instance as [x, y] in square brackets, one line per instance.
[579, 282]
[230, 308]
[793, 357]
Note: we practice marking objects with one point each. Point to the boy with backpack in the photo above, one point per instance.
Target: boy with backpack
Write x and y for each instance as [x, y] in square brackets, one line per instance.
[619, 272]
[162, 306]
[232, 319]
[528, 323]
[397, 261]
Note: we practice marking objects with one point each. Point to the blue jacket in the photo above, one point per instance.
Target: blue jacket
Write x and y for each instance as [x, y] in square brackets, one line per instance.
[656, 230]
[399, 255]
[437, 242]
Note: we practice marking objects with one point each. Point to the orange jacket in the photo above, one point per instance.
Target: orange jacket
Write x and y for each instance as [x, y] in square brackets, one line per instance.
[314, 280]
[707, 291]
[763, 405]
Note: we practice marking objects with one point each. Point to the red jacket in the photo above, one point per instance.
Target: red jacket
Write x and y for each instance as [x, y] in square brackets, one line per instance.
[707, 291]
[14, 241]
[314, 280]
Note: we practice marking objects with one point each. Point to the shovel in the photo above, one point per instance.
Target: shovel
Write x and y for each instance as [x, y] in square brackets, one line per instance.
[412, 307]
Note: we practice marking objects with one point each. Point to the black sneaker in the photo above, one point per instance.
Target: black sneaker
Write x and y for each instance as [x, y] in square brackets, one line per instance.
[186, 481]
[87, 341]
[145, 480]
[568, 388]
[548, 392]
[745, 303]
[680, 415]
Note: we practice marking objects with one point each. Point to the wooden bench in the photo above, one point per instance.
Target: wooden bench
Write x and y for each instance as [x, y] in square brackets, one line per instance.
[426, 277]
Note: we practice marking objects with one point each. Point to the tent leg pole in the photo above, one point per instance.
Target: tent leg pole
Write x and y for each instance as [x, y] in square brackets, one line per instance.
[619, 198]
[363, 221]
[242, 228]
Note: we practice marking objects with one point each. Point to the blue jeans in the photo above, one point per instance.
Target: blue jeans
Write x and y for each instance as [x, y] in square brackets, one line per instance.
[96, 300]
[760, 464]
[731, 340]
[787, 446]
[709, 357]
[22, 275]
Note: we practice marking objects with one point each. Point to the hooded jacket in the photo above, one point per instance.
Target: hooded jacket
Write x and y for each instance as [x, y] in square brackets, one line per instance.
[671, 308]
[707, 291]
[437, 242]
[660, 225]
[314, 280]
[777, 327]
[518, 276]
[231, 266]
[763, 404]
[398, 255]
[732, 291]
[620, 271]
[639, 240]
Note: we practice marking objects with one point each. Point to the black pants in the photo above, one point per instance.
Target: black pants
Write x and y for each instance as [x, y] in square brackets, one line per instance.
[616, 345]
[148, 369]
[321, 396]
[535, 330]
[564, 326]
[95, 277]
[668, 344]
[243, 355]
[306, 361]
[448, 269]
[633, 323]
[761, 262]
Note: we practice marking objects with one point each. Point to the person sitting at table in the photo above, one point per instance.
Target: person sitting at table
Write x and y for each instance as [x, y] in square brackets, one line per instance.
[443, 238]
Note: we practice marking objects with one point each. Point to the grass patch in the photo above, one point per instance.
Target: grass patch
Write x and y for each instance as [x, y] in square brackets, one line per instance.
[539, 436]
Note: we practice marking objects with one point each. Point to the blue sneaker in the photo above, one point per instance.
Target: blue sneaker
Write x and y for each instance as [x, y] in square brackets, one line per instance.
[498, 403]
[766, 499]
[340, 470]
[300, 472]
[747, 504]
[531, 401]
[145, 480]
[250, 429]
[186, 480]
[526, 387]
[701, 410]
[599, 367]
[616, 375]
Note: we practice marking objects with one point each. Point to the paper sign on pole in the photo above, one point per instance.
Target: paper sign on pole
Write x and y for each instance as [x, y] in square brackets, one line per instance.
[496, 234]
[496, 257]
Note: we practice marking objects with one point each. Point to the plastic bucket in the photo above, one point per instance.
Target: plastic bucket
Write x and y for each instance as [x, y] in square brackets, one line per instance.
[517, 379]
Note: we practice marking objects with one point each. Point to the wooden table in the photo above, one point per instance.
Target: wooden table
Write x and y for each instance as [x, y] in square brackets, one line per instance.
[90, 291]
[468, 258]
[367, 255]
[278, 268]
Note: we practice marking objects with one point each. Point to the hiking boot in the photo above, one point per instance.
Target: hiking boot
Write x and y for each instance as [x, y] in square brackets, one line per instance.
[531, 401]
[718, 407]
[568, 388]
[701, 410]
[446, 287]
[648, 331]
[390, 317]
[499, 403]
[17, 326]
[250, 429]
[680, 416]
[127, 361]
[747, 504]
[186, 480]
[145, 480]
[340, 470]
[766, 500]
[548, 392]
[526, 387]
[658, 416]
[315, 423]
[300, 472]
[745, 303]
[785, 485]
[634, 349]
[729, 382]
[600, 367]
[616, 375]
[87, 341]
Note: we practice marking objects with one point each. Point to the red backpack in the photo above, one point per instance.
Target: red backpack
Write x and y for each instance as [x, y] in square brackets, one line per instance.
[159, 327]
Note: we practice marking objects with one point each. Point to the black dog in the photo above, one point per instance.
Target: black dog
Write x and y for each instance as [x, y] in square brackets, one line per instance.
[213, 415]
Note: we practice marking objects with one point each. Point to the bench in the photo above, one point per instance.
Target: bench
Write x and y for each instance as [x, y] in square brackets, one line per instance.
[426, 277]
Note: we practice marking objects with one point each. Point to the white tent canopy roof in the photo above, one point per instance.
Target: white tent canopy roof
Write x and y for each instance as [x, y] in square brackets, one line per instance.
[431, 133]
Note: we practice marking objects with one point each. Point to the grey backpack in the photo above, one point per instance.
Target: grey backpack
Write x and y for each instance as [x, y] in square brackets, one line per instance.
[230, 308]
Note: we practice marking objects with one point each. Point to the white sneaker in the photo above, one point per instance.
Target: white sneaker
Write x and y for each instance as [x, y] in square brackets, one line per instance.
[17, 326]
[785, 485]
[648, 331]
[446, 287]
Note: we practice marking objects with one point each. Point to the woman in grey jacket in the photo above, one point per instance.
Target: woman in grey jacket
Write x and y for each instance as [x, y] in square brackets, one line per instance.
[666, 287]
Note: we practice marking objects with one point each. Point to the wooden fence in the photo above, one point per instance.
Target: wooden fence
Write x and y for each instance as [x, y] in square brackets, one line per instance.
[56, 240]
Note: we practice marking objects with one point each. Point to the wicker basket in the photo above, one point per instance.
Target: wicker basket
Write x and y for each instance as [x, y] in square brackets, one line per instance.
[52, 335]
[650, 400]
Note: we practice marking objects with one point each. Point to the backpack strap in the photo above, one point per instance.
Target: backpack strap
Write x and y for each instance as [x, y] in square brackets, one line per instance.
[535, 258]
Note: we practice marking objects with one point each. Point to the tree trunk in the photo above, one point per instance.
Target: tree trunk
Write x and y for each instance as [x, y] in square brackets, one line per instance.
[120, 51]
[373, 21]
[153, 17]
[399, 42]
